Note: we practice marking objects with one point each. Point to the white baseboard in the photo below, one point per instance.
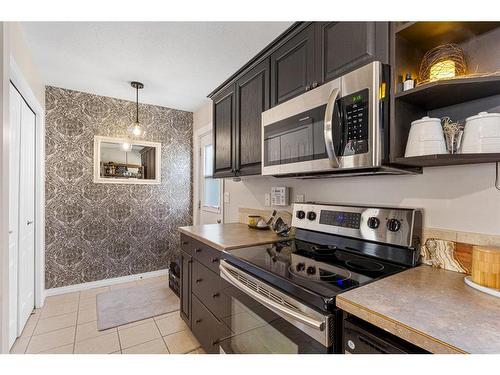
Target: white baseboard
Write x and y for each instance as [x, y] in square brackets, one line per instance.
[105, 282]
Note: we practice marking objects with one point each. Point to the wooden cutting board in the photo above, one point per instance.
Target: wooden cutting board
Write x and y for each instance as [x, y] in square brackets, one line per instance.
[486, 266]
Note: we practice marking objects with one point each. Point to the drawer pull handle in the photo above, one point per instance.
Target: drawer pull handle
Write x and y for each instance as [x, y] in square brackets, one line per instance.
[197, 250]
[215, 295]
[197, 281]
[215, 260]
[197, 321]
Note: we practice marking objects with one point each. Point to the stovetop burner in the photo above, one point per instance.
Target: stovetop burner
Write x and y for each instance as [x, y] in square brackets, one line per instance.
[325, 270]
[365, 265]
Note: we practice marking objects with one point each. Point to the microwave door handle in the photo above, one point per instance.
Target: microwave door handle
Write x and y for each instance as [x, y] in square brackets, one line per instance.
[328, 128]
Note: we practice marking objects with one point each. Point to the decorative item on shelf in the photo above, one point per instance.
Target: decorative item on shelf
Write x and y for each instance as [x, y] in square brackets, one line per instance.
[446, 61]
[136, 128]
[425, 138]
[408, 83]
[482, 133]
[453, 132]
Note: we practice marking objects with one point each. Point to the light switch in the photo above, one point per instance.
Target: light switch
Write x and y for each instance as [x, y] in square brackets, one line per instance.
[300, 198]
[226, 197]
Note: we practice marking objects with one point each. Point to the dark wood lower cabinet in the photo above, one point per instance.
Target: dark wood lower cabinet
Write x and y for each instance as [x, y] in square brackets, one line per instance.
[186, 262]
[203, 301]
[207, 328]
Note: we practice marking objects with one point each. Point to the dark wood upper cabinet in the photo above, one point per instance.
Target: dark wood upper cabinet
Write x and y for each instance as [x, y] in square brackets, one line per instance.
[292, 66]
[344, 46]
[223, 132]
[252, 98]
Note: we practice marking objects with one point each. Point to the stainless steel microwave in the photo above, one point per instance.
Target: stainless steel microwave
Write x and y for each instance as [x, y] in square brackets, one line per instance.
[341, 127]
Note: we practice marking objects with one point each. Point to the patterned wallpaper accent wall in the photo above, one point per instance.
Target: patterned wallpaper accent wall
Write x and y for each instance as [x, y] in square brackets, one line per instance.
[98, 231]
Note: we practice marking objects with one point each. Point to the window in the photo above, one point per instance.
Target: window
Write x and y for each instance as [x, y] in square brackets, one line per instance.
[211, 188]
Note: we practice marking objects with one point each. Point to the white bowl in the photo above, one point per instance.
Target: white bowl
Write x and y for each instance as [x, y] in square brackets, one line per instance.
[482, 134]
[425, 138]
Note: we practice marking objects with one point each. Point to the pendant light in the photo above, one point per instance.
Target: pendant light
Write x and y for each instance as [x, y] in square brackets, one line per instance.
[136, 129]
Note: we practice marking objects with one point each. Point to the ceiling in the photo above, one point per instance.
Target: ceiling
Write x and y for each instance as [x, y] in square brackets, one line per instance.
[178, 62]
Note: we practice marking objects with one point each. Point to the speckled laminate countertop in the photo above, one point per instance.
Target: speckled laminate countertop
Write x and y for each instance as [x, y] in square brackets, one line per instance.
[230, 236]
[431, 308]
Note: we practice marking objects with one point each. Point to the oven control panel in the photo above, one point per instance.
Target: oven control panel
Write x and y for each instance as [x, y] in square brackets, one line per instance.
[392, 225]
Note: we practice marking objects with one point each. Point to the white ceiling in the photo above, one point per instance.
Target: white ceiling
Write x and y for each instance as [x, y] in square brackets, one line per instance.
[178, 62]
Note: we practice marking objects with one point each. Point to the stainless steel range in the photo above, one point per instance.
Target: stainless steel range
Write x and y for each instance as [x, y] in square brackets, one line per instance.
[282, 295]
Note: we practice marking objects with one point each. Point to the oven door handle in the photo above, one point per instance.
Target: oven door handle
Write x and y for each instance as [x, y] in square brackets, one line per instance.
[291, 313]
[328, 128]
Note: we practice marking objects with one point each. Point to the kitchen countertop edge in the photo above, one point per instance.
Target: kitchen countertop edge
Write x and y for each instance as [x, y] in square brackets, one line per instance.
[401, 330]
[221, 247]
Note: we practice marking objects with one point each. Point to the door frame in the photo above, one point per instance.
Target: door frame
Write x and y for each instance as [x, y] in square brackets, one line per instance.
[197, 134]
[18, 80]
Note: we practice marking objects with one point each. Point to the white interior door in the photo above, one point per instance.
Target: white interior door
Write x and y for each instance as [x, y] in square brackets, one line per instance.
[210, 203]
[26, 264]
[14, 144]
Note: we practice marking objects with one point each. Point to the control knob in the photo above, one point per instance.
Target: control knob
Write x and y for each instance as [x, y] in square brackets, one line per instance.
[300, 214]
[311, 215]
[311, 270]
[300, 267]
[373, 222]
[393, 225]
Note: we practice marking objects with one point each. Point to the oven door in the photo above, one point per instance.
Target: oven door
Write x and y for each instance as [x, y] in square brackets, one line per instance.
[264, 320]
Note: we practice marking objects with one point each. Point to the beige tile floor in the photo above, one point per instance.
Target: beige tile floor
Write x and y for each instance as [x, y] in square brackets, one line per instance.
[68, 324]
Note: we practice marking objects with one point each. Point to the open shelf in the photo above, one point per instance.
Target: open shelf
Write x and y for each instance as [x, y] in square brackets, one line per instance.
[452, 91]
[448, 159]
[426, 35]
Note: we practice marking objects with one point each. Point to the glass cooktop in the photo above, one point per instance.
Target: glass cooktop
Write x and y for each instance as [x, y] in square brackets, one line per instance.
[323, 270]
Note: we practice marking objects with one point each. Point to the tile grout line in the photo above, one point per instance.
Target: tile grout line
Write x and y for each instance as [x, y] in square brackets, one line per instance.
[30, 336]
[162, 339]
[76, 323]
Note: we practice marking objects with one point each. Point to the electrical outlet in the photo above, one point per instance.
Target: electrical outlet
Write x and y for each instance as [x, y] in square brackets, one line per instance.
[300, 198]
[267, 200]
[226, 197]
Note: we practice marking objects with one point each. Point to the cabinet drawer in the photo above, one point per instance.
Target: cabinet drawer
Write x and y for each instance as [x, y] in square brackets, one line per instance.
[209, 288]
[187, 243]
[206, 255]
[207, 329]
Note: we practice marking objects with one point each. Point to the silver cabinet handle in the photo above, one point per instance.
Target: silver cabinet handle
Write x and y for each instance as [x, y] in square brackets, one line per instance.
[294, 314]
[29, 222]
[11, 231]
[328, 128]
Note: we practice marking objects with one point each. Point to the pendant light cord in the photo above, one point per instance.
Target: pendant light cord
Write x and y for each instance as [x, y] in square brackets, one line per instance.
[137, 104]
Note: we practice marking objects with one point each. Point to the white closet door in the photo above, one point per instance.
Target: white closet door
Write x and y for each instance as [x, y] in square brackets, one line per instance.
[15, 128]
[26, 275]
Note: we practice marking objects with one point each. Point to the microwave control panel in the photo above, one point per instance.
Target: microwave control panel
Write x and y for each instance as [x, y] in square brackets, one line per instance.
[354, 114]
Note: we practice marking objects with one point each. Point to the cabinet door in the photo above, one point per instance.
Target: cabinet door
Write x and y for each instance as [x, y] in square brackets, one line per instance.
[224, 137]
[186, 262]
[292, 67]
[252, 98]
[344, 46]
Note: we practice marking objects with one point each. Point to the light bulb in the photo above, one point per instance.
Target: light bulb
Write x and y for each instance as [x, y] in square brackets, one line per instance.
[137, 130]
[126, 146]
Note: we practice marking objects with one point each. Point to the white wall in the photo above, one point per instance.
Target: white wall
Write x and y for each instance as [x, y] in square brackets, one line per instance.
[4, 188]
[461, 198]
[21, 53]
[12, 46]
